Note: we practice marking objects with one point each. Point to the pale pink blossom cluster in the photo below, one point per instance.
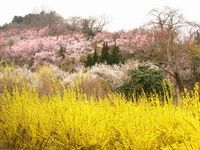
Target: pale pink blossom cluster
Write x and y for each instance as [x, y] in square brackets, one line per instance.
[48, 48]
[33, 33]
[133, 40]
[37, 45]
[130, 41]
[13, 35]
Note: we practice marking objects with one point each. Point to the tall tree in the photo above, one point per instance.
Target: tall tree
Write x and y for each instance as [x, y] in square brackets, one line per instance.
[89, 26]
[166, 25]
[95, 57]
[115, 56]
[104, 53]
[89, 61]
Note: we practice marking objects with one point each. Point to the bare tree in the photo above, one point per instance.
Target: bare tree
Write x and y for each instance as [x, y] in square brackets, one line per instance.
[74, 23]
[89, 26]
[166, 25]
[193, 43]
[193, 31]
[166, 19]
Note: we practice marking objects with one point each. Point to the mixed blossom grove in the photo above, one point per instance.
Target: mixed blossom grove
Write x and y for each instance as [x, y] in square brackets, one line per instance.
[39, 47]
[49, 98]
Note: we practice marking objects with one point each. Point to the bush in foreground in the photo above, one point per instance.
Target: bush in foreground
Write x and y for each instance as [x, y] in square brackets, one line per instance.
[144, 79]
[75, 122]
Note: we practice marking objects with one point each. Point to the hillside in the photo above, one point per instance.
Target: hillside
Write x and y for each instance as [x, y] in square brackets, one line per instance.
[67, 83]
[39, 41]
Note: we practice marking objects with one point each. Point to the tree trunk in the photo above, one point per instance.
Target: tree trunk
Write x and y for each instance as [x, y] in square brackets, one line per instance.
[179, 81]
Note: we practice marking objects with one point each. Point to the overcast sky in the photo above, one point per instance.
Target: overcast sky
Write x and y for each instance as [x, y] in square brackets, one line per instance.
[125, 14]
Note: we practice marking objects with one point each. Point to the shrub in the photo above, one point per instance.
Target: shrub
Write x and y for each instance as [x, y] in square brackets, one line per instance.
[48, 80]
[72, 122]
[14, 77]
[95, 86]
[115, 75]
[143, 79]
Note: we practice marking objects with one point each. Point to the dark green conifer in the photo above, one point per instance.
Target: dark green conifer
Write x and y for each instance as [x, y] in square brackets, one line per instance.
[104, 53]
[115, 56]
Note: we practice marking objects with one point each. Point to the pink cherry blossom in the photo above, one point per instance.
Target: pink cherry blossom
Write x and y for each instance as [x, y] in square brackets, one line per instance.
[36, 44]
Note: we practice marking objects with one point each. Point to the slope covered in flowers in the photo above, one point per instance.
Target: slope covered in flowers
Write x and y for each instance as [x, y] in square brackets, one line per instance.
[35, 46]
[50, 100]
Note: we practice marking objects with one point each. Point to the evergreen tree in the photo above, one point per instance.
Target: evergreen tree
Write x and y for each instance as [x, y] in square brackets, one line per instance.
[61, 52]
[115, 56]
[17, 19]
[104, 53]
[95, 57]
[89, 61]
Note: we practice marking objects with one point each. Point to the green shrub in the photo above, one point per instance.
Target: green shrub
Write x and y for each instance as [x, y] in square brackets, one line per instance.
[143, 80]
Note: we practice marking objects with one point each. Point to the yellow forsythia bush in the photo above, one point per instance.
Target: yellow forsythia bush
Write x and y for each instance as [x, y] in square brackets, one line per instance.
[72, 121]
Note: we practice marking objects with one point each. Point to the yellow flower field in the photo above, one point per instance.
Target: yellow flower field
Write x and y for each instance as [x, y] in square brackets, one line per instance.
[71, 121]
